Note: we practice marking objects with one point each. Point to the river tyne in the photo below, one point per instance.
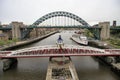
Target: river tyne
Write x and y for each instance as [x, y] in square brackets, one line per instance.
[87, 67]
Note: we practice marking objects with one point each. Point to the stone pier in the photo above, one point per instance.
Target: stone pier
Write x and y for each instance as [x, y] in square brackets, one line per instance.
[9, 63]
[16, 33]
[61, 68]
[105, 30]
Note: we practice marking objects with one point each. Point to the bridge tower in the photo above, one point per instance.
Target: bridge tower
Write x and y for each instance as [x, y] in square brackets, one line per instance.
[105, 30]
[16, 33]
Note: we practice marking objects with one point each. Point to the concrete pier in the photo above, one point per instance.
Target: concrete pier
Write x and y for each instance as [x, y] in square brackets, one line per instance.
[9, 63]
[61, 68]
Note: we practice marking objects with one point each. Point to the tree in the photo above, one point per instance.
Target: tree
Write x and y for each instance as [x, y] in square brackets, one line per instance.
[88, 33]
[2, 42]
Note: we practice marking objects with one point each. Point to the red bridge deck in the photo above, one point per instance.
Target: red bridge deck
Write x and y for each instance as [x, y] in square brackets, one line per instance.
[52, 50]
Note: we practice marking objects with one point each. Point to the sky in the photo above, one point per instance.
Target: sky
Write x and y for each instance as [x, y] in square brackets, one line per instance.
[28, 11]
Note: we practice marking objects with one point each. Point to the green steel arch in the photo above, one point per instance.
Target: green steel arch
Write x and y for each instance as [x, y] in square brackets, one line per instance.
[55, 14]
[61, 13]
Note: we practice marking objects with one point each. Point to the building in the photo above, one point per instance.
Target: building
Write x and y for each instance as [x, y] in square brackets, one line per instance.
[3, 37]
[114, 23]
[5, 25]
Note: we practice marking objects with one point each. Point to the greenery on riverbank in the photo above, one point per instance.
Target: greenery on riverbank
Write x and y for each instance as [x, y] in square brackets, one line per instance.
[8, 42]
[88, 33]
[115, 38]
[115, 33]
[114, 42]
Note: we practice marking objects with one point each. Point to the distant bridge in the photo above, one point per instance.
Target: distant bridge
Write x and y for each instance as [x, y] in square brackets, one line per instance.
[76, 26]
[61, 13]
[69, 20]
[54, 50]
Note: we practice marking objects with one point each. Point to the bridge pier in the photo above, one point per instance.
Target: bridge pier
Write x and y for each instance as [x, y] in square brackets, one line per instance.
[61, 69]
[9, 63]
[16, 33]
[105, 30]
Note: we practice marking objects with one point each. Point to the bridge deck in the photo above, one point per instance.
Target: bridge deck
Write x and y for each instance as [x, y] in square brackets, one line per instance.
[54, 50]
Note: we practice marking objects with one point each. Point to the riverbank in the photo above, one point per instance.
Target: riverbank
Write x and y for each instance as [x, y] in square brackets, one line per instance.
[100, 44]
[112, 61]
[27, 42]
[115, 42]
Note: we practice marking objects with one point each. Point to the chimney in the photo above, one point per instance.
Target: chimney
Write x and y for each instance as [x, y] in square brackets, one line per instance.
[114, 23]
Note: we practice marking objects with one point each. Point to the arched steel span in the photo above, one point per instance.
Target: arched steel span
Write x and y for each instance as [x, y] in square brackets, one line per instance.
[61, 13]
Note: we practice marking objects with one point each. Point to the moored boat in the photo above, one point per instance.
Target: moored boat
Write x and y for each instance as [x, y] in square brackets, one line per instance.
[60, 42]
[80, 39]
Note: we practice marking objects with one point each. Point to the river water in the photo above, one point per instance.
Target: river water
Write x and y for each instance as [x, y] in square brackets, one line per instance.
[87, 67]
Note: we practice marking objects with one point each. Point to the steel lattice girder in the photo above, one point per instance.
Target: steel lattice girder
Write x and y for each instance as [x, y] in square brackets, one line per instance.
[61, 13]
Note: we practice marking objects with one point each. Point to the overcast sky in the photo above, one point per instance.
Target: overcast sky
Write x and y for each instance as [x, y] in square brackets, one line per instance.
[28, 11]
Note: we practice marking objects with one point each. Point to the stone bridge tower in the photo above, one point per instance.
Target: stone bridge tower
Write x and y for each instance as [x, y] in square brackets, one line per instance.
[16, 33]
[105, 30]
